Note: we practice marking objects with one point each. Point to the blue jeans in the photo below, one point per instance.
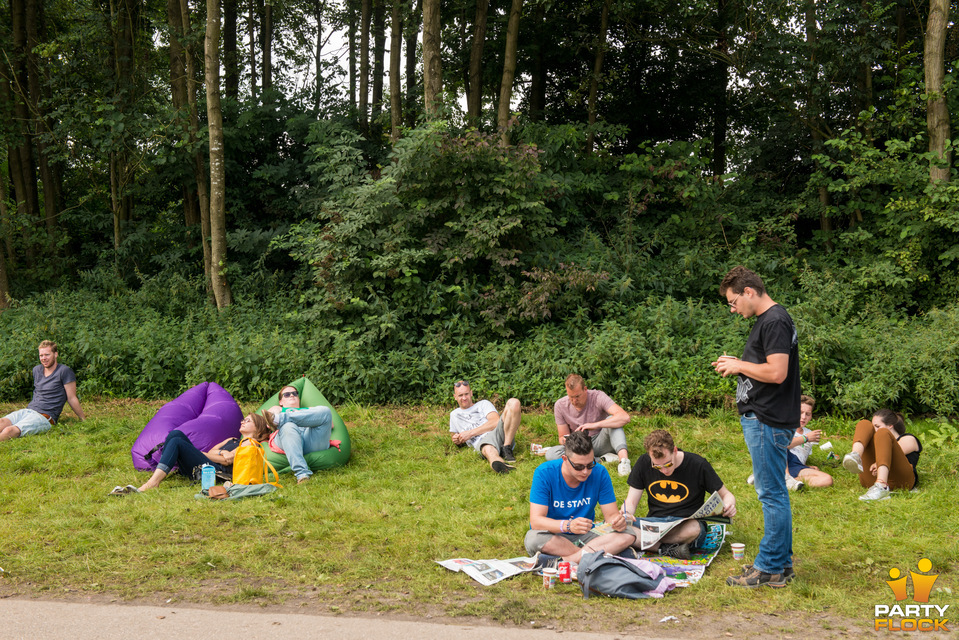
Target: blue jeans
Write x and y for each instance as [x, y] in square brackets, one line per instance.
[303, 431]
[767, 448]
[179, 452]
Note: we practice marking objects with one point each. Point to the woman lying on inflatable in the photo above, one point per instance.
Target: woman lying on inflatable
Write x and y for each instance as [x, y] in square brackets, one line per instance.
[178, 451]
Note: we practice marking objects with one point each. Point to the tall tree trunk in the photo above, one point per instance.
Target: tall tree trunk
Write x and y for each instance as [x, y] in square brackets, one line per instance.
[432, 62]
[721, 106]
[937, 110]
[814, 117]
[48, 177]
[351, 36]
[537, 80]
[597, 74]
[181, 105]
[6, 228]
[366, 14]
[8, 243]
[474, 86]
[509, 67]
[124, 17]
[7, 98]
[379, 51]
[251, 34]
[231, 63]
[199, 162]
[266, 40]
[221, 287]
[412, 29]
[25, 184]
[396, 91]
[318, 7]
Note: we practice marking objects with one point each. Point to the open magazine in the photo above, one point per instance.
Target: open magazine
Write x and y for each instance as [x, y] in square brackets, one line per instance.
[488, 572]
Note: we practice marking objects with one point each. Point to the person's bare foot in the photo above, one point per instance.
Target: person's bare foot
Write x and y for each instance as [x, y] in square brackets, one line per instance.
[303, 479]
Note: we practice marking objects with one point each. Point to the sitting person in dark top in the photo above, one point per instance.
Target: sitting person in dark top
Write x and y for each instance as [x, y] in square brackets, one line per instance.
[884, 455]
[677, 483]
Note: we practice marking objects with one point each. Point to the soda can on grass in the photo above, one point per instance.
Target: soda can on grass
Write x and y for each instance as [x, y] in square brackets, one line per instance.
[565, 574]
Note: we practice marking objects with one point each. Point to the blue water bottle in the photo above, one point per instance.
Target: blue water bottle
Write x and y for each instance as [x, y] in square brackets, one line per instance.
[207, 476]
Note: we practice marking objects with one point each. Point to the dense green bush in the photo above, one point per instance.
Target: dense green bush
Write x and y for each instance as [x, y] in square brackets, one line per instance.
[652, 356]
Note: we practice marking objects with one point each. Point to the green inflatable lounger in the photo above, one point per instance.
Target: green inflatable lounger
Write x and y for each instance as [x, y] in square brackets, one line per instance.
[310, 396]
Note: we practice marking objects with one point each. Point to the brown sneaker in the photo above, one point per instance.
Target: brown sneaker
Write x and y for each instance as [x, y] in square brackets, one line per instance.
[753, 577]
[788, 572]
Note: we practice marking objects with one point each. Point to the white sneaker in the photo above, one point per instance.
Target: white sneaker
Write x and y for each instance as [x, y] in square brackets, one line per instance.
[852, 462]
[876, 492]
[624, 467]
[609, 457]
[794, 485]
[750, 479]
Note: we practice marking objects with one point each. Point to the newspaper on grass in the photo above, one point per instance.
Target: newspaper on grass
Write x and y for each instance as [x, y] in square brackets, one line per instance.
[488, 572]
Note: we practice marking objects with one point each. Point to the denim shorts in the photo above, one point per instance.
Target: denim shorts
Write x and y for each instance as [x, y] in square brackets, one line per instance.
[29, 422]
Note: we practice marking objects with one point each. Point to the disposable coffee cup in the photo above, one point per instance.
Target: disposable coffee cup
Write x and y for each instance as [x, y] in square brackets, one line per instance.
[739, 550]
[549, 578]
[825, 446]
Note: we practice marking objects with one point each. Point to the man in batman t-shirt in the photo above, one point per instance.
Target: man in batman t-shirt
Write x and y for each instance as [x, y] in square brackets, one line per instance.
[677, 483]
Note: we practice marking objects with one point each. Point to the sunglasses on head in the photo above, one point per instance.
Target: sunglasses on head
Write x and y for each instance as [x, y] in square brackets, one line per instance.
[580, 467]
[461, 383]
[290, 394]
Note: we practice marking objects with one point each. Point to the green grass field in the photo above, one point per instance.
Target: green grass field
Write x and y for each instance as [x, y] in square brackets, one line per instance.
[363, 539]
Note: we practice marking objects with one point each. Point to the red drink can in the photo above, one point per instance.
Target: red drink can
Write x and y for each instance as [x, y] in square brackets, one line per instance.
[565, 572]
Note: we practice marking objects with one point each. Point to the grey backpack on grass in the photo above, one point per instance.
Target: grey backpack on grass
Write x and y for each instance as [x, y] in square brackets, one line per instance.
[613, 577]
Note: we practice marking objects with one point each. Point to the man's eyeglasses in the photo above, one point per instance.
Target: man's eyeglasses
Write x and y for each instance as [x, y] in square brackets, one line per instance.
[290, 394]
[731, 303]
[461, 383]
[581, 467]
[666, 465]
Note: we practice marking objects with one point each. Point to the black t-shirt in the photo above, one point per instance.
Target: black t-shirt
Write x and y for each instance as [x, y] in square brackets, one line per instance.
[679, 494]
[775, 404]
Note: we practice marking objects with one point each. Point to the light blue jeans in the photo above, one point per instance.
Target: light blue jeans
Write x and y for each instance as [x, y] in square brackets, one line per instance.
[604, 441]
[303, 431]
[767, 448]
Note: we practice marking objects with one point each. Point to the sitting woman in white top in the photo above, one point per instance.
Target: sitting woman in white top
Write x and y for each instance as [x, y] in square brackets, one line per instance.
[299, 431]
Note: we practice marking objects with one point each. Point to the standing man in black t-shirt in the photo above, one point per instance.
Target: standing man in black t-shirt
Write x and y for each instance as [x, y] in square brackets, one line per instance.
[767, 395]
[676, 483]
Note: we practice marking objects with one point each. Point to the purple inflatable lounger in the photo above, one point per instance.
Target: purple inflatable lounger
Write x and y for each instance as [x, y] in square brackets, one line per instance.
[206, 414]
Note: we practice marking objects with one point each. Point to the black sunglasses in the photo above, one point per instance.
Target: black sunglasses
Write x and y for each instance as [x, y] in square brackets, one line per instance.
[580, 467]
[290, 394]
[461, 383]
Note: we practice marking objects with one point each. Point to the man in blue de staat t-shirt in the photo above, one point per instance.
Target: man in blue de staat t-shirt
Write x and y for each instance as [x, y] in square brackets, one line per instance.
[54, 384]
[562, 505]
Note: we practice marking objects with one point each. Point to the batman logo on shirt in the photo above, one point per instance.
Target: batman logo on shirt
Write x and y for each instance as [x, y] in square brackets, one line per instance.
[669, 491]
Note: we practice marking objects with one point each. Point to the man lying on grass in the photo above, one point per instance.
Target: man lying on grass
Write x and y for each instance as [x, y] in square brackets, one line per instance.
[676, 482]
[562, 505]
[477, 424]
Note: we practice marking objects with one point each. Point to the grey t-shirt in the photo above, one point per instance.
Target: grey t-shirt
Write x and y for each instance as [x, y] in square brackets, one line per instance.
[49, 396]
